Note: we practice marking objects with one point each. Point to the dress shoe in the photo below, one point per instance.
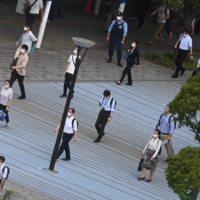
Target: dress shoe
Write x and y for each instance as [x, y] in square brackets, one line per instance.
[182, 71]
[118, 82]
[148, 180]
[174, 76]
[97, 141]
[63, 96]
[141, 178]
[119, 64]
[128, 84]
[21, 97]
[66, 159]
[109, 60]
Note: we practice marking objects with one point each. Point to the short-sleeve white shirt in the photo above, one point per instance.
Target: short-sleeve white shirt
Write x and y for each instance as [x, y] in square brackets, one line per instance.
[68, 128]
[162, 14]
[185, 42]
[6, 94]
[3, 174]
[35, 9]
[71, 61]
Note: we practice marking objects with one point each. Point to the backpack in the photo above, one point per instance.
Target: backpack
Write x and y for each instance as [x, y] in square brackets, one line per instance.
[111, 102]
[169, 120]
[160, 150]
[73, 123]
[8, 171]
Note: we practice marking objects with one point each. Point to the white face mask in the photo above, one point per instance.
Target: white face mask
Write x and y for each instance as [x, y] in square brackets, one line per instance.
[75, 51]
[22, 50]
[155, 136]
[133, 45]
[6, 86]
[69, 114]
[119, 18]
[165, 111]
[185, 35]
[25, 29]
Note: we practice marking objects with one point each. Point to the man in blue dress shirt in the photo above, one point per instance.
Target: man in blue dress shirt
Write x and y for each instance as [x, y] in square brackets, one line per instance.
[117, 33]
[166, 126]
[185, 46]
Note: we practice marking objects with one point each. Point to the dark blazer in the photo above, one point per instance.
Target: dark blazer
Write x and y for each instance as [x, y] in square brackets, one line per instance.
[134, 56]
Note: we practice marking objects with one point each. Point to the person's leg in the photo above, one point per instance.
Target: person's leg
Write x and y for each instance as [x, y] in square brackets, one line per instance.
[52, 10]
[151, 175]
[103, 124]
[179, 61]
[21, 85]
[124, 73]
[136, 4]
[99, 121]
[141, 17]
[13, 77]
[108, 21]
[62, 146]
[3, 107]
[159, 27]
[31, 19]
[119, 50]
[65, 85]
[129, 76]
[70, 76]
[143, 172]
[68, 137]
[112, 43]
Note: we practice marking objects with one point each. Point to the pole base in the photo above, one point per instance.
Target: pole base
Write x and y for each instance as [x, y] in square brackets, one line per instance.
[52, 171]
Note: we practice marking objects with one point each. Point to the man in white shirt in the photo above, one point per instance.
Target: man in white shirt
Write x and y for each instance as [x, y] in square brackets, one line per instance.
[70, 130]
[107, 105]
[185, 46]
[35, 10]
[69, 71]
[3, 172]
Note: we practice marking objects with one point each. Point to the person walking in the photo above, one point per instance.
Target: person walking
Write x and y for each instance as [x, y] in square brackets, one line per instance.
[166, 125]
[116, 35]
[5, 100]
[36, 8]
[134, 55]
[26, 38]
[151, 150]
[4, 172]
[163, 14]
[185, 46]
[70, 130]
[68, 73]
[107, 104]
[19, 71]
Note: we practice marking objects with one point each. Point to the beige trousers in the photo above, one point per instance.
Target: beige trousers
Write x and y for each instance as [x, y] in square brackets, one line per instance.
[159, 27]
[168, 145]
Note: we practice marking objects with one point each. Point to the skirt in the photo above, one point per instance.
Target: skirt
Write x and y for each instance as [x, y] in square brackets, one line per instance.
[150, 164]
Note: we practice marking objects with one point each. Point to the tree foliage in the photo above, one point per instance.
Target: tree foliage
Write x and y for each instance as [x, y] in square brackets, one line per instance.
[183, 171]
[186, 106]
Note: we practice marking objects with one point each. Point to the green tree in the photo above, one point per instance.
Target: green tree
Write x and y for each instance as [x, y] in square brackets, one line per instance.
[186, 106]
[183, 172]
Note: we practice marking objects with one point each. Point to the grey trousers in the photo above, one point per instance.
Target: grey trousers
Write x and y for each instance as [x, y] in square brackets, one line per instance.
[168, 146]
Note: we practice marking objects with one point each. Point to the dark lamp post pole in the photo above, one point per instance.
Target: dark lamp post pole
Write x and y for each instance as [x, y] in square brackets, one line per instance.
[80, 43]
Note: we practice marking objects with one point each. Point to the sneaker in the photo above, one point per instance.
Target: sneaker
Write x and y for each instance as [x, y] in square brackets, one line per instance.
[21, 97]
[119, 64]
[170, 35]
[109, 60]
[63, 96]
[158, 37]
[7, 125]
[66, 159]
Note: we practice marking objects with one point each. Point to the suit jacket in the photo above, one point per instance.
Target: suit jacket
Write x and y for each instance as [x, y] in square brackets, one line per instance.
[134, 56]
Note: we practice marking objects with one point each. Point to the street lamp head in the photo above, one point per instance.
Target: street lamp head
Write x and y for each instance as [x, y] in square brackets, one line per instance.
[81, 42]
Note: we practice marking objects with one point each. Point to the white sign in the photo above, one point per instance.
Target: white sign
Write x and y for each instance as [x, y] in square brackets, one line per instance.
[121, 7]
[20, 6]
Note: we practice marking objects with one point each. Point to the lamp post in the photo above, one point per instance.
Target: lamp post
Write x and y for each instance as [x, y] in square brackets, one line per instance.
[80, 43]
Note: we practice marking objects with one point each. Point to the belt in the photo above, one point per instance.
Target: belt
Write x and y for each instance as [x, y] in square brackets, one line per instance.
[165, 133]
[117, 35]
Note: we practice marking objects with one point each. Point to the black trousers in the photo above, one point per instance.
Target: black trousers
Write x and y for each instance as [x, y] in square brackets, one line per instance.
[30, 19]
[141, 16]
[14, 76]
[65, 145]
[127, 71]
[101, 122]
[3, 107]
[67, 83]
[181, 56]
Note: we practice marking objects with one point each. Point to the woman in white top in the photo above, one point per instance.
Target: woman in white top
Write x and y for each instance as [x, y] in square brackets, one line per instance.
[69, 72]
[5, 99]
[151, 158]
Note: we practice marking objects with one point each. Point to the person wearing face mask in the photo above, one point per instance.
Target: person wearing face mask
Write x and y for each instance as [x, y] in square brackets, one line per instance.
[166, 125]
[107, 104]
[26, 38]
[151, 152]
[69, 71]
[185, 46]
[117, 33]
[134, 55]
[70, 130]
[19, 71]
[3, 172]
[5, 100]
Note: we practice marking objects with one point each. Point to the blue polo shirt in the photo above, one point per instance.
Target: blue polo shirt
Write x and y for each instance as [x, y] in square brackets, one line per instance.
[185, 42]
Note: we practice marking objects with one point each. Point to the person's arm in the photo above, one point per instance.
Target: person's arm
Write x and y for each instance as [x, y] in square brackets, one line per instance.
[157, 150]
[138, 59]
[168, 14]
[17, 43]
[153, 13]
[57, 128]
[171, 126]
[32, 37]
[100, 102]
[146, 146]
[191, 55]
[41, 13]
[8, 104]
[75, 131]
[125, 27]
[3, 177]
[110, 29]
[2, 182]
[175, 46]
[67, 66]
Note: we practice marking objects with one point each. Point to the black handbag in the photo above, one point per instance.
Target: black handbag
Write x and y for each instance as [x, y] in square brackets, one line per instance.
[140, 164]
[27, 8]
[14, 63]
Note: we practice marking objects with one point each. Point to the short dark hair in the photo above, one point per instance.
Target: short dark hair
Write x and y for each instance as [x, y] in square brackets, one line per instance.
[73, 110]
[136, 42]
[7, 80]
[106, 93]
[24, 46]
[28, 25]
[2, 158]
[187, 30]
[159, 133]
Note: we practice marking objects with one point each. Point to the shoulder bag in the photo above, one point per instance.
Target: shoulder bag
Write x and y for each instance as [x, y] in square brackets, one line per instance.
[27, 8]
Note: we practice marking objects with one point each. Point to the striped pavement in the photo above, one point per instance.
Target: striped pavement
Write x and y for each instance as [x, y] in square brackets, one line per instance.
[107, 170]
